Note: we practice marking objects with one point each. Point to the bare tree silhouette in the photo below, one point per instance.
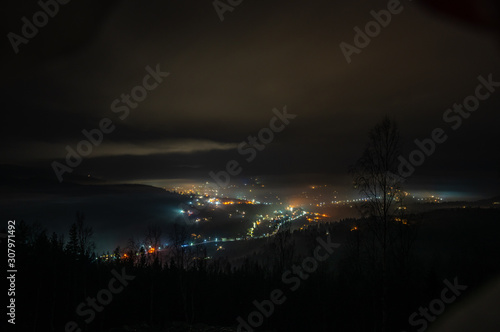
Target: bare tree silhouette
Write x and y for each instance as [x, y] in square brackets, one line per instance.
[373, 176]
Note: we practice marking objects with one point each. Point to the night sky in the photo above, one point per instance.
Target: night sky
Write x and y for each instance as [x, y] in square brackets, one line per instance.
[226, 77]
[158, 98]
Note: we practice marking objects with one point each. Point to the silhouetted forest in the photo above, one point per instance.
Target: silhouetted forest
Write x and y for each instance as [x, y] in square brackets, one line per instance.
[184, 290]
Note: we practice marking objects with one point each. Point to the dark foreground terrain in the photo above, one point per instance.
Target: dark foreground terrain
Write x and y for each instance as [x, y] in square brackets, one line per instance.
[187, 290]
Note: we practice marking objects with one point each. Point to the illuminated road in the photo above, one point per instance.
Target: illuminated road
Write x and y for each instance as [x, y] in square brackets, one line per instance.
[223, 240]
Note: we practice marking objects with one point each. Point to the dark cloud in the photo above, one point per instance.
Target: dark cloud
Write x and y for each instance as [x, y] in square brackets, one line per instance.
[226, 77]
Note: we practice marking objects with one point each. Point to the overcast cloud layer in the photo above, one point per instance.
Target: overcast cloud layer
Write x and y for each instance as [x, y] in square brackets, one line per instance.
[226, 77]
